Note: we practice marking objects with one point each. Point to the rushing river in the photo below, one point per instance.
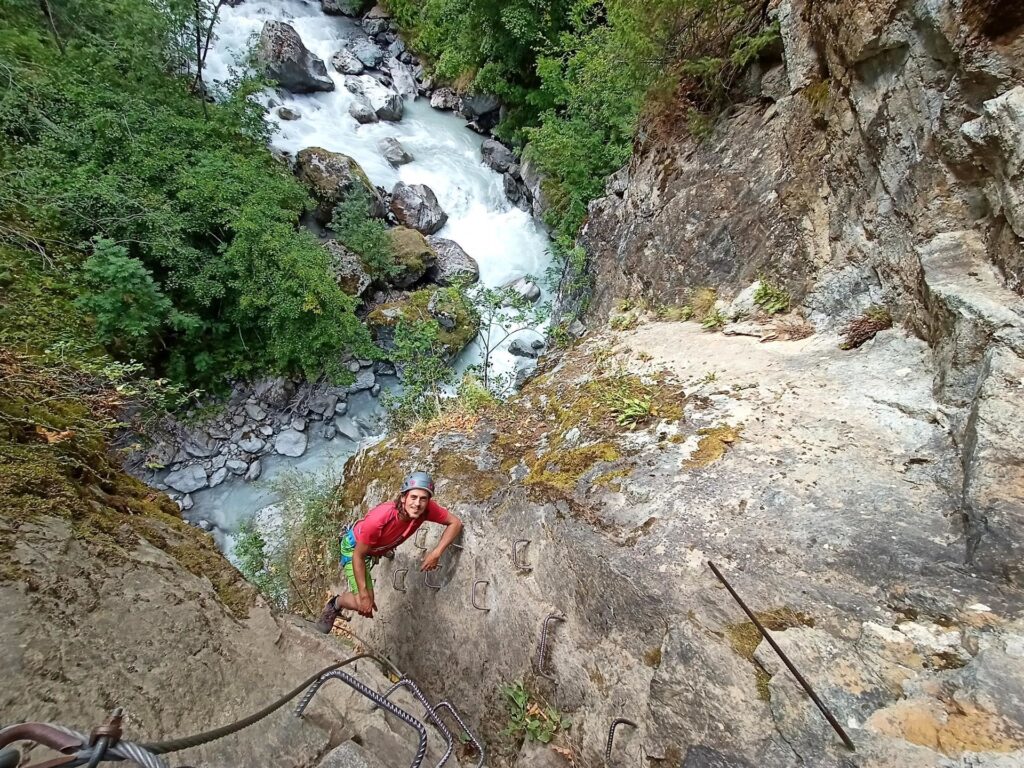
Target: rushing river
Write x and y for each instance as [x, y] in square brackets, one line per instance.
[505, 241]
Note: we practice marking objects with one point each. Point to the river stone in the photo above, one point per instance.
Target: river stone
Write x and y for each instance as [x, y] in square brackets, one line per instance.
[403, 78]
[442, 314]
[444, 98]
[496, 155]
[186, 502]
[521, 349]
[237, 466]
[298, 424]
[413, 256]
[362, 112]
[254, 471]
[347, 429]
[328, 431]
[364, 380]
[286, 113]
[367, 51]
[255, 412]
[290, 442]
[276, 391]
[394, 152]
[200, 445]
[218, 477]
[331, 177]
[473, 106]
[251, 444]
[324, 405]
[375, 26]
[392, 109]
[346, 62]
[342, 7]
[416, 206]
[453, 263]
[347, 269]
[341, 409]
[375, 390]
[524, 288]
[286, 60]
[187, 480]
[266, 430]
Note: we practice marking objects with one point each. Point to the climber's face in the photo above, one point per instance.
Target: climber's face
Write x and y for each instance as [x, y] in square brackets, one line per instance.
[416, 502]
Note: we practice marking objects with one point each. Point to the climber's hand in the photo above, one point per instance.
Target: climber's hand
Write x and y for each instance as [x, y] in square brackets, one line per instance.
[430, 561]
[366, 604]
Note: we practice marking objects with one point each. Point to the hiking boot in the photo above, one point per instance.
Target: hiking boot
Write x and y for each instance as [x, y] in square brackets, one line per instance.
[327, 617]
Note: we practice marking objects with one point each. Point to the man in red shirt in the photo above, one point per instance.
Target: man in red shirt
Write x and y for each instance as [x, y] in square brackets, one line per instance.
[382, 529]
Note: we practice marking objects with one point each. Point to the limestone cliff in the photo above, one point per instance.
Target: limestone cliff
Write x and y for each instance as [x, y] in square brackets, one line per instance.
[878, 162]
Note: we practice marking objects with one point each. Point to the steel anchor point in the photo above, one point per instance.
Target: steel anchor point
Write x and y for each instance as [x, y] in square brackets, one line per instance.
[542, 645]
[426, 581]
[420, 541]
[473, 595]
[395, 579]
[517, 553]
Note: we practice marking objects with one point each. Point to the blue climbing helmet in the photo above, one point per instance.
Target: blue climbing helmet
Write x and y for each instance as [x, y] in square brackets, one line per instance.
[421, 480]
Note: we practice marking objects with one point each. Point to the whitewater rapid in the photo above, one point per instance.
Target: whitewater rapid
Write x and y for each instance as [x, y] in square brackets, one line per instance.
[506, 242]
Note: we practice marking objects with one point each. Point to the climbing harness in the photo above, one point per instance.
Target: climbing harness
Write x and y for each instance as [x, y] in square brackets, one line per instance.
[785, 660]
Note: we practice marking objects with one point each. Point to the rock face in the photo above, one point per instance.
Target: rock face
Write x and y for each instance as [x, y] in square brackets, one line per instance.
[830, 191]
[331, 177]
[819, 480]
[453, 263]
[416, 206]
[178, 663]
[286, 60]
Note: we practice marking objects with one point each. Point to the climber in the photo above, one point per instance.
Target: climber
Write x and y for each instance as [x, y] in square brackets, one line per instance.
[377, 535]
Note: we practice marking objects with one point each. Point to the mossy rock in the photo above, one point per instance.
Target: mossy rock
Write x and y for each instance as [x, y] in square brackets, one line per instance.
[331, 177]
[417, 307]
[413, 256]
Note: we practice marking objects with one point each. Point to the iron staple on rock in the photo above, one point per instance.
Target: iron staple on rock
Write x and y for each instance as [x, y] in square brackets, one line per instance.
[542, 645]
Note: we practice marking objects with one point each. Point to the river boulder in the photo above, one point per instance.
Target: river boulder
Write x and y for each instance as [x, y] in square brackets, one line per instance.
[347, 268]
[391, 108]
[290, 442]
[458, 322]
[496, 155]
[343, 7]
[444, 98]
[453, 263]
[367, 51]
[345, 61]
[285, 59]
[403, 78]
[394, 152]
[413, 256]
[331, 177]
[362, 111]
[416, 206]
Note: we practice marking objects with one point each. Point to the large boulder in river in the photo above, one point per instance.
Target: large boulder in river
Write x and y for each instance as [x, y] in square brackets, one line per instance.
[367, 51]
[453, 263]
[362, 111]
[444, 98]
[394, 152]
[346, 62]
[403, 78]
[496, 155]
[347, 268]
[413, 256]
[343, 7]
[474, 106]
[391, 108]
[458, 323]
[416, 206]
[286, 60]
[332, 177]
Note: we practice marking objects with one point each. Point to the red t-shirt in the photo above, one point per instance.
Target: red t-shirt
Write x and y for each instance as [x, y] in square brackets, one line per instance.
[382, 529]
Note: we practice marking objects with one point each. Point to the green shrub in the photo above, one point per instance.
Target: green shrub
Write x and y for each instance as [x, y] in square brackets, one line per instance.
[365, 235]
[527, 717]
[771, 298]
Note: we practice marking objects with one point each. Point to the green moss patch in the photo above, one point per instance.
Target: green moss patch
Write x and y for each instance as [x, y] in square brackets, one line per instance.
[713, 444]
[744, 638]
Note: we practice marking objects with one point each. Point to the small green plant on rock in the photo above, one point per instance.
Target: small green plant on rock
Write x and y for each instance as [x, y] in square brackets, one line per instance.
[770, 298]
[624, 322]
[714, 320]
[528, 717]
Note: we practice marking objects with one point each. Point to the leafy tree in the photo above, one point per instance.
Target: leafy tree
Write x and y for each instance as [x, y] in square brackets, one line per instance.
[425, 373]
[504, 314]
[365, 235]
